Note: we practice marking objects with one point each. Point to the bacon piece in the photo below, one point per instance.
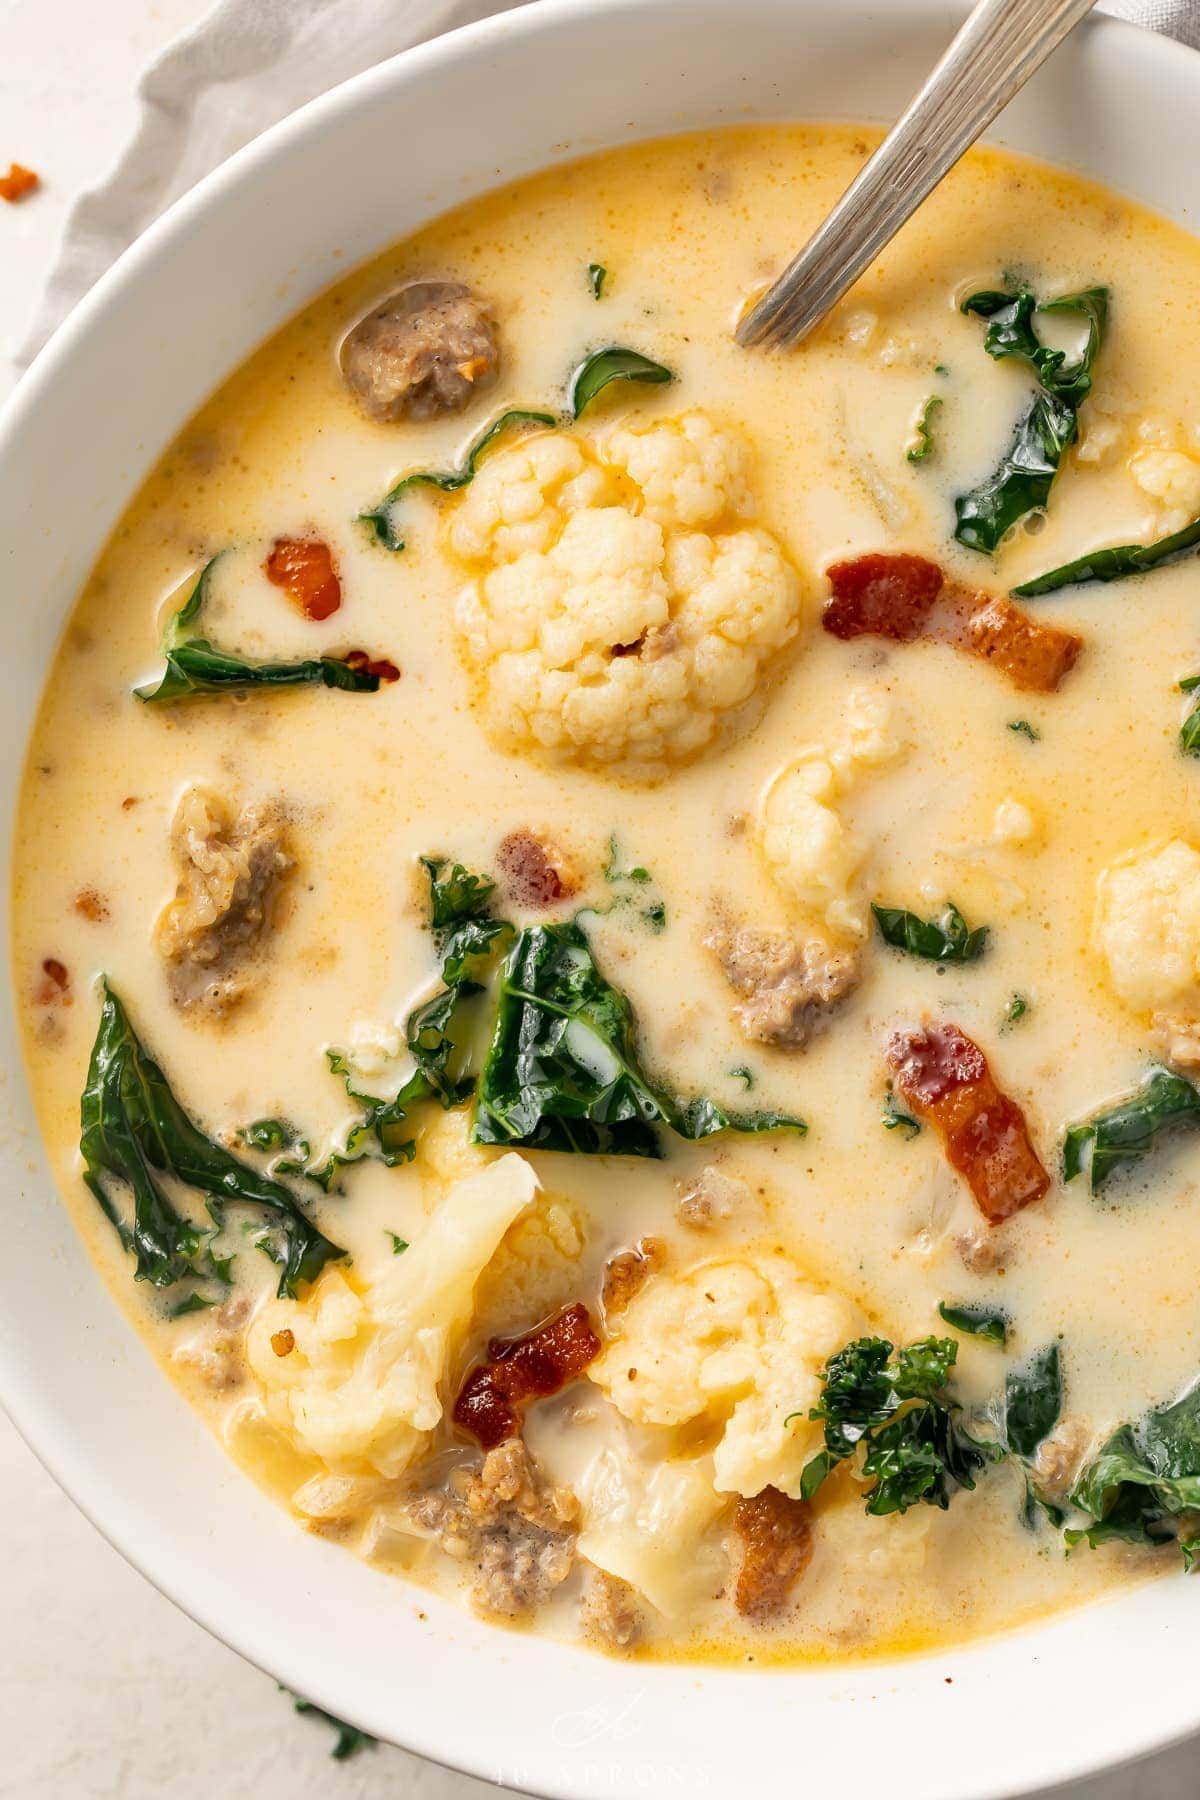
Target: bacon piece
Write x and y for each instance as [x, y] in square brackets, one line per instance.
[379, 666]
[942, 1074]
[532, 871]
[18, 182]
[1033, 655]
[303, 568]
[778, 1538]
[905, 597]
[881, 596]
[491, 1401]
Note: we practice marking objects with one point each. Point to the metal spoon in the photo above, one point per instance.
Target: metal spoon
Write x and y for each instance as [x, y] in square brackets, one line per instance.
[998, 49]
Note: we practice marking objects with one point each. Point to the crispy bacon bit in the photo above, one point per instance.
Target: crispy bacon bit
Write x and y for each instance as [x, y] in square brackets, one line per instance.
[55, 986]
[1034, 656]
[906, 597]
[941, 1073]
[491, 1402]
[303, 568]
[283, 1342]
[778, 1538]
[91, 905]
[18, 182]
[881, 596]
[533, 872]
[379, 666]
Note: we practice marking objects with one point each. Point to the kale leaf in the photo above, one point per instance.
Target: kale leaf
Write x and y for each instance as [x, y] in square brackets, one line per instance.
[1030, 1410]
[1189, 731]
[465, 935]
[382, 517]
[1033, 1401]
[921, 445]
[1143, 1478]
[628, 881]
[1050, 424]
[134, 1130]
[602, 366]
[350, 1740]
[893, 1118]
[899, 1410]
[1015, 1011]
[562, 1071]
[194, 666]
[945, 940]
[977, 1321]
[1114, 564]
[597, 275]
[1098, 1146]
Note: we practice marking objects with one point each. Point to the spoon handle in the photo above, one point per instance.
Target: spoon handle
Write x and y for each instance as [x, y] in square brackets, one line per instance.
[998, 49]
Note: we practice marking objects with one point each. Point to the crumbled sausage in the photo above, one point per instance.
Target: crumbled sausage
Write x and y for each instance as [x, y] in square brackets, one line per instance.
[788, 982]
[711, 1199]
[428, 349]
[981, 1252]
[491, 1401]
[611, 1615]
[625, 1273]
[500, 1515]
[534, 873]
[229, 875]
[777, 1536]
[215, 1353]
[19, 182]
[1058, 1458]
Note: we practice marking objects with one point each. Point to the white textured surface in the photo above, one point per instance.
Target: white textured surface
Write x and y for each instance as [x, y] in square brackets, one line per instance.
[106, 1691]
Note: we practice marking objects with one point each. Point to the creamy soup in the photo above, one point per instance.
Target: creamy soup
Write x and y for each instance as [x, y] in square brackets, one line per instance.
[645, 1063]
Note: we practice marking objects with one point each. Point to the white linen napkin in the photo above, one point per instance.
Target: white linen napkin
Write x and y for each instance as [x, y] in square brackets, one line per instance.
[247, 64]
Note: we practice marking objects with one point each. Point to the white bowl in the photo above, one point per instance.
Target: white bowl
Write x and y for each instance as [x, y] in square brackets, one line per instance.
[324, 190]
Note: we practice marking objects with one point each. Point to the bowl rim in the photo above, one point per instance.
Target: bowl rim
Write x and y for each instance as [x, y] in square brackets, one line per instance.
[47, 1435]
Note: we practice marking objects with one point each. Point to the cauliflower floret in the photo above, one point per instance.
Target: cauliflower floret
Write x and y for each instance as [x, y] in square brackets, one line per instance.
[742, 1342]
[690, 472]
[1172, 479]
[601, 627]
[354, 1379]
[521, 498]
[1015, 824]
[535, 1271]
[810, 851]
[646, 1527]
[1100, 435]
[1147, 927]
